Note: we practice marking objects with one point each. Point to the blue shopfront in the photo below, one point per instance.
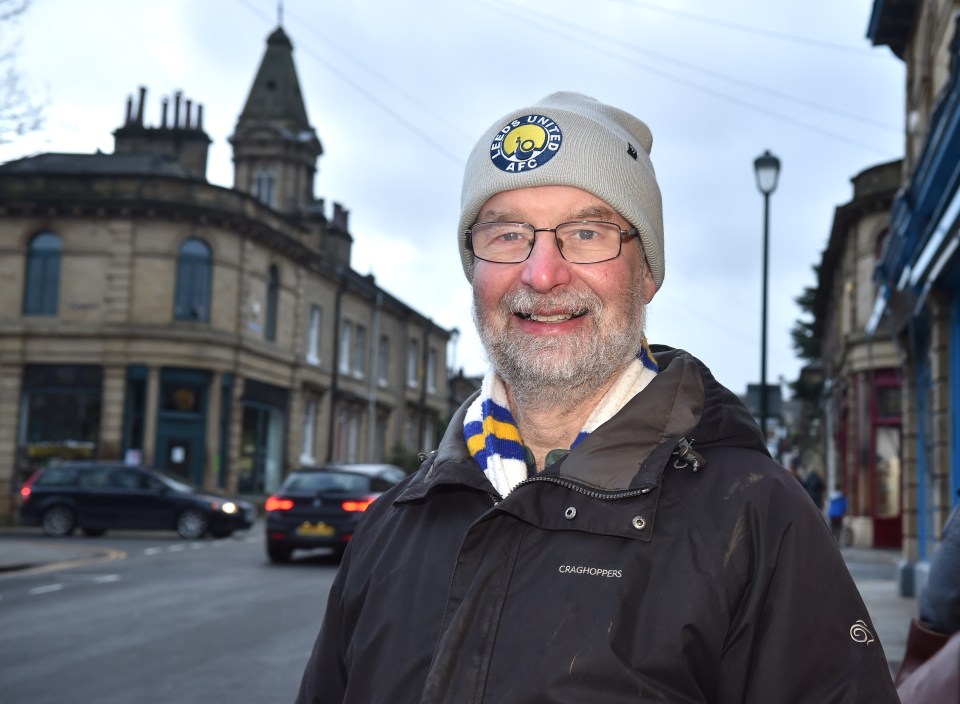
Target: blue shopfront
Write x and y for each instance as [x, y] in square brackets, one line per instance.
[919, 279]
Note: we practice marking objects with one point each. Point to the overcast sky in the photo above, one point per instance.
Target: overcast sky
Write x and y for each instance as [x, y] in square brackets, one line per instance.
[399, 93]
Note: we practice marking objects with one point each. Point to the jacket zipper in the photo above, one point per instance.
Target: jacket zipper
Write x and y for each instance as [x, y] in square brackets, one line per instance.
[581, 489]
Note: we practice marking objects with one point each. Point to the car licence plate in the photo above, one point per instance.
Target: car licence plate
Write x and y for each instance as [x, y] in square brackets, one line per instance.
[316, 529]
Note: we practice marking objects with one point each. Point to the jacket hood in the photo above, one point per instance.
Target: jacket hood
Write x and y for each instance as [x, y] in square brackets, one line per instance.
[631, 450]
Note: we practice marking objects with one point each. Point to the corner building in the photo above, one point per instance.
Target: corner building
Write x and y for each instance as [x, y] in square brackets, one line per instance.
[216, 333]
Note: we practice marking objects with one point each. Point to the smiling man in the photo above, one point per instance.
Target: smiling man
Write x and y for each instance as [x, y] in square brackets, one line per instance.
[602, 521]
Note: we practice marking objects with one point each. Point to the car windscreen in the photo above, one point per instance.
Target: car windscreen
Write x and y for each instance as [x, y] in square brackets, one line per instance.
[313, 482]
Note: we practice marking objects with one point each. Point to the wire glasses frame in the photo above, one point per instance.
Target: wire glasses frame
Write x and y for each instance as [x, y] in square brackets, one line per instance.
[579, 242]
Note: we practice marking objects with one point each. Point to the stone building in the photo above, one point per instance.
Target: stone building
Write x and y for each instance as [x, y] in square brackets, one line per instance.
[919, 270]
[217, 333]
[862, 380]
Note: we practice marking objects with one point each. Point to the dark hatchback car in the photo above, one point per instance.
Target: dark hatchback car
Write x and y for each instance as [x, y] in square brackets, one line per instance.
[98, 496]
[319, 507]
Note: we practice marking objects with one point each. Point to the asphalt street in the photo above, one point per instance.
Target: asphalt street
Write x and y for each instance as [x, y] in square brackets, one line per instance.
[153, 619]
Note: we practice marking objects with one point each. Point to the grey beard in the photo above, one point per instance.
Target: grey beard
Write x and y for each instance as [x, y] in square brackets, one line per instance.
[555, 371]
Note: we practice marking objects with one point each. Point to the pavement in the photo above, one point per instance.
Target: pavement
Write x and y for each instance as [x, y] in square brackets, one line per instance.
[875, 572]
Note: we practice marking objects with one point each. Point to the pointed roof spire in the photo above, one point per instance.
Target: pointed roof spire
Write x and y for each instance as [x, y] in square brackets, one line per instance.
[275, 95]
[279, 13]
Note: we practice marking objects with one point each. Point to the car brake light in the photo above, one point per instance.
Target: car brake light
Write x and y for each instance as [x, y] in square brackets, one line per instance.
[357, 505]
[275, 504]
[25, 489]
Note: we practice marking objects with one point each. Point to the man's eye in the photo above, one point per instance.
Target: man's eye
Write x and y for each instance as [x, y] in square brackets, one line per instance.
[582, 235]
[509, 236]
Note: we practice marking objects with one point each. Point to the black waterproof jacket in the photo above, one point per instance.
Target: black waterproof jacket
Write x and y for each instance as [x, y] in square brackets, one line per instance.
[633, 570]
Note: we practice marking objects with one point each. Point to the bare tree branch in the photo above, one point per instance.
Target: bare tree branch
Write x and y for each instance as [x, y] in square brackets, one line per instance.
[19, 114]
[10, 9]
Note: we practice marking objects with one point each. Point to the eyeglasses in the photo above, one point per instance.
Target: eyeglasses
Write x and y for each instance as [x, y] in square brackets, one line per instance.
[582, 242]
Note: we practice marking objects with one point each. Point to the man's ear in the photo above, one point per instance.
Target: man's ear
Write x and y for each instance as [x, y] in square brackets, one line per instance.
[647, 283]
[651, 288]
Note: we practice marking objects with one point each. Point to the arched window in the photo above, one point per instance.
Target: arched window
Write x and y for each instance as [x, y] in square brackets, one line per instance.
[264, 187]
[192, 297]
[273, 292]
[41, 289]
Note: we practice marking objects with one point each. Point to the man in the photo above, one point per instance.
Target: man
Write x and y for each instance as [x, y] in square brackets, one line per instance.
[602, 522]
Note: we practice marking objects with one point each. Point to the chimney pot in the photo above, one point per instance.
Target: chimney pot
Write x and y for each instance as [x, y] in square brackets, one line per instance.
[143, 98]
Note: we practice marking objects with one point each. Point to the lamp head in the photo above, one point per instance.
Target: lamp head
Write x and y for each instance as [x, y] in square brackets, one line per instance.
[767, 168]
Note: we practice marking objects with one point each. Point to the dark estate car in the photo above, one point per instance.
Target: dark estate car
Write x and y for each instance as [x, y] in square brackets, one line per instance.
[319, 506]
[97, 496]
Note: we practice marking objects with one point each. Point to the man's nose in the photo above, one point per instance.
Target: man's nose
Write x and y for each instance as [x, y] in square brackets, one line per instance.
[545, 268]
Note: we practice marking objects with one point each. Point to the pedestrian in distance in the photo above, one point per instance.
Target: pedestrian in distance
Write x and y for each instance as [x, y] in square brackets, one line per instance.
[602, 521]
[836, 512]
[813, 483]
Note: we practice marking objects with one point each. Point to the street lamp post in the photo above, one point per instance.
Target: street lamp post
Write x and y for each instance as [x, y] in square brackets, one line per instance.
[767, 168]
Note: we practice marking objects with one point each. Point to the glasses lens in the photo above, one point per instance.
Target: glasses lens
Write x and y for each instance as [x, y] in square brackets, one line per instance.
[588, 242]
[505, 242]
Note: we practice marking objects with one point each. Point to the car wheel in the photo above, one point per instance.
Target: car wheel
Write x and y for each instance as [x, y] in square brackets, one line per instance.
[192, 524]
[279, 554]
[94, 532]
[59, 521]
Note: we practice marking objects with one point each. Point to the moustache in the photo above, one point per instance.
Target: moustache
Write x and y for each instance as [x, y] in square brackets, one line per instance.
[527, 301]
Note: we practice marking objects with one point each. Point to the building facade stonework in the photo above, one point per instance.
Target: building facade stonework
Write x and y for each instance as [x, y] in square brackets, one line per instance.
[862, 379]
[216, 333]
[918, 298]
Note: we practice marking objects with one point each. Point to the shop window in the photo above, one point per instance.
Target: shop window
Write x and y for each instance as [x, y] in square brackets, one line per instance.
[42, 281]
[182, 398]
[888, 402]
[61, 409]
[273, 293]
[192, 297]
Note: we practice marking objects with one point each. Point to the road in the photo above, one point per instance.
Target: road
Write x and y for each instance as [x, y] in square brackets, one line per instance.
[169, 621]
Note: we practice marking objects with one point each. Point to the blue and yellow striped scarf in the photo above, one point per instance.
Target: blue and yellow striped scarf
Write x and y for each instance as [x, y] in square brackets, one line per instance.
[494, 440]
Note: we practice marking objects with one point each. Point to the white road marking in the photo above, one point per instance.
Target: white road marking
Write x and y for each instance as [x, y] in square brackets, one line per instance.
[104, 578]
[175, 548]
[153, 551]
[46, 589]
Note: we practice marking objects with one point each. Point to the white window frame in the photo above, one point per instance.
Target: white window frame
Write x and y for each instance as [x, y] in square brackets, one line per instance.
[346, 333]
[383, 361]
[413, 363]
[432, 370]
[309, 432]
[313, 336]
[359, 363]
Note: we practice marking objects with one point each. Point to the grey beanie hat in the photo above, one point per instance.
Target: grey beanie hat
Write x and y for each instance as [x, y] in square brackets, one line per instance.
[568, 139]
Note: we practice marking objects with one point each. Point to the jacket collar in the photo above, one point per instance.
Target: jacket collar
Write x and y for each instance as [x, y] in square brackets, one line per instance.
[629, 451]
